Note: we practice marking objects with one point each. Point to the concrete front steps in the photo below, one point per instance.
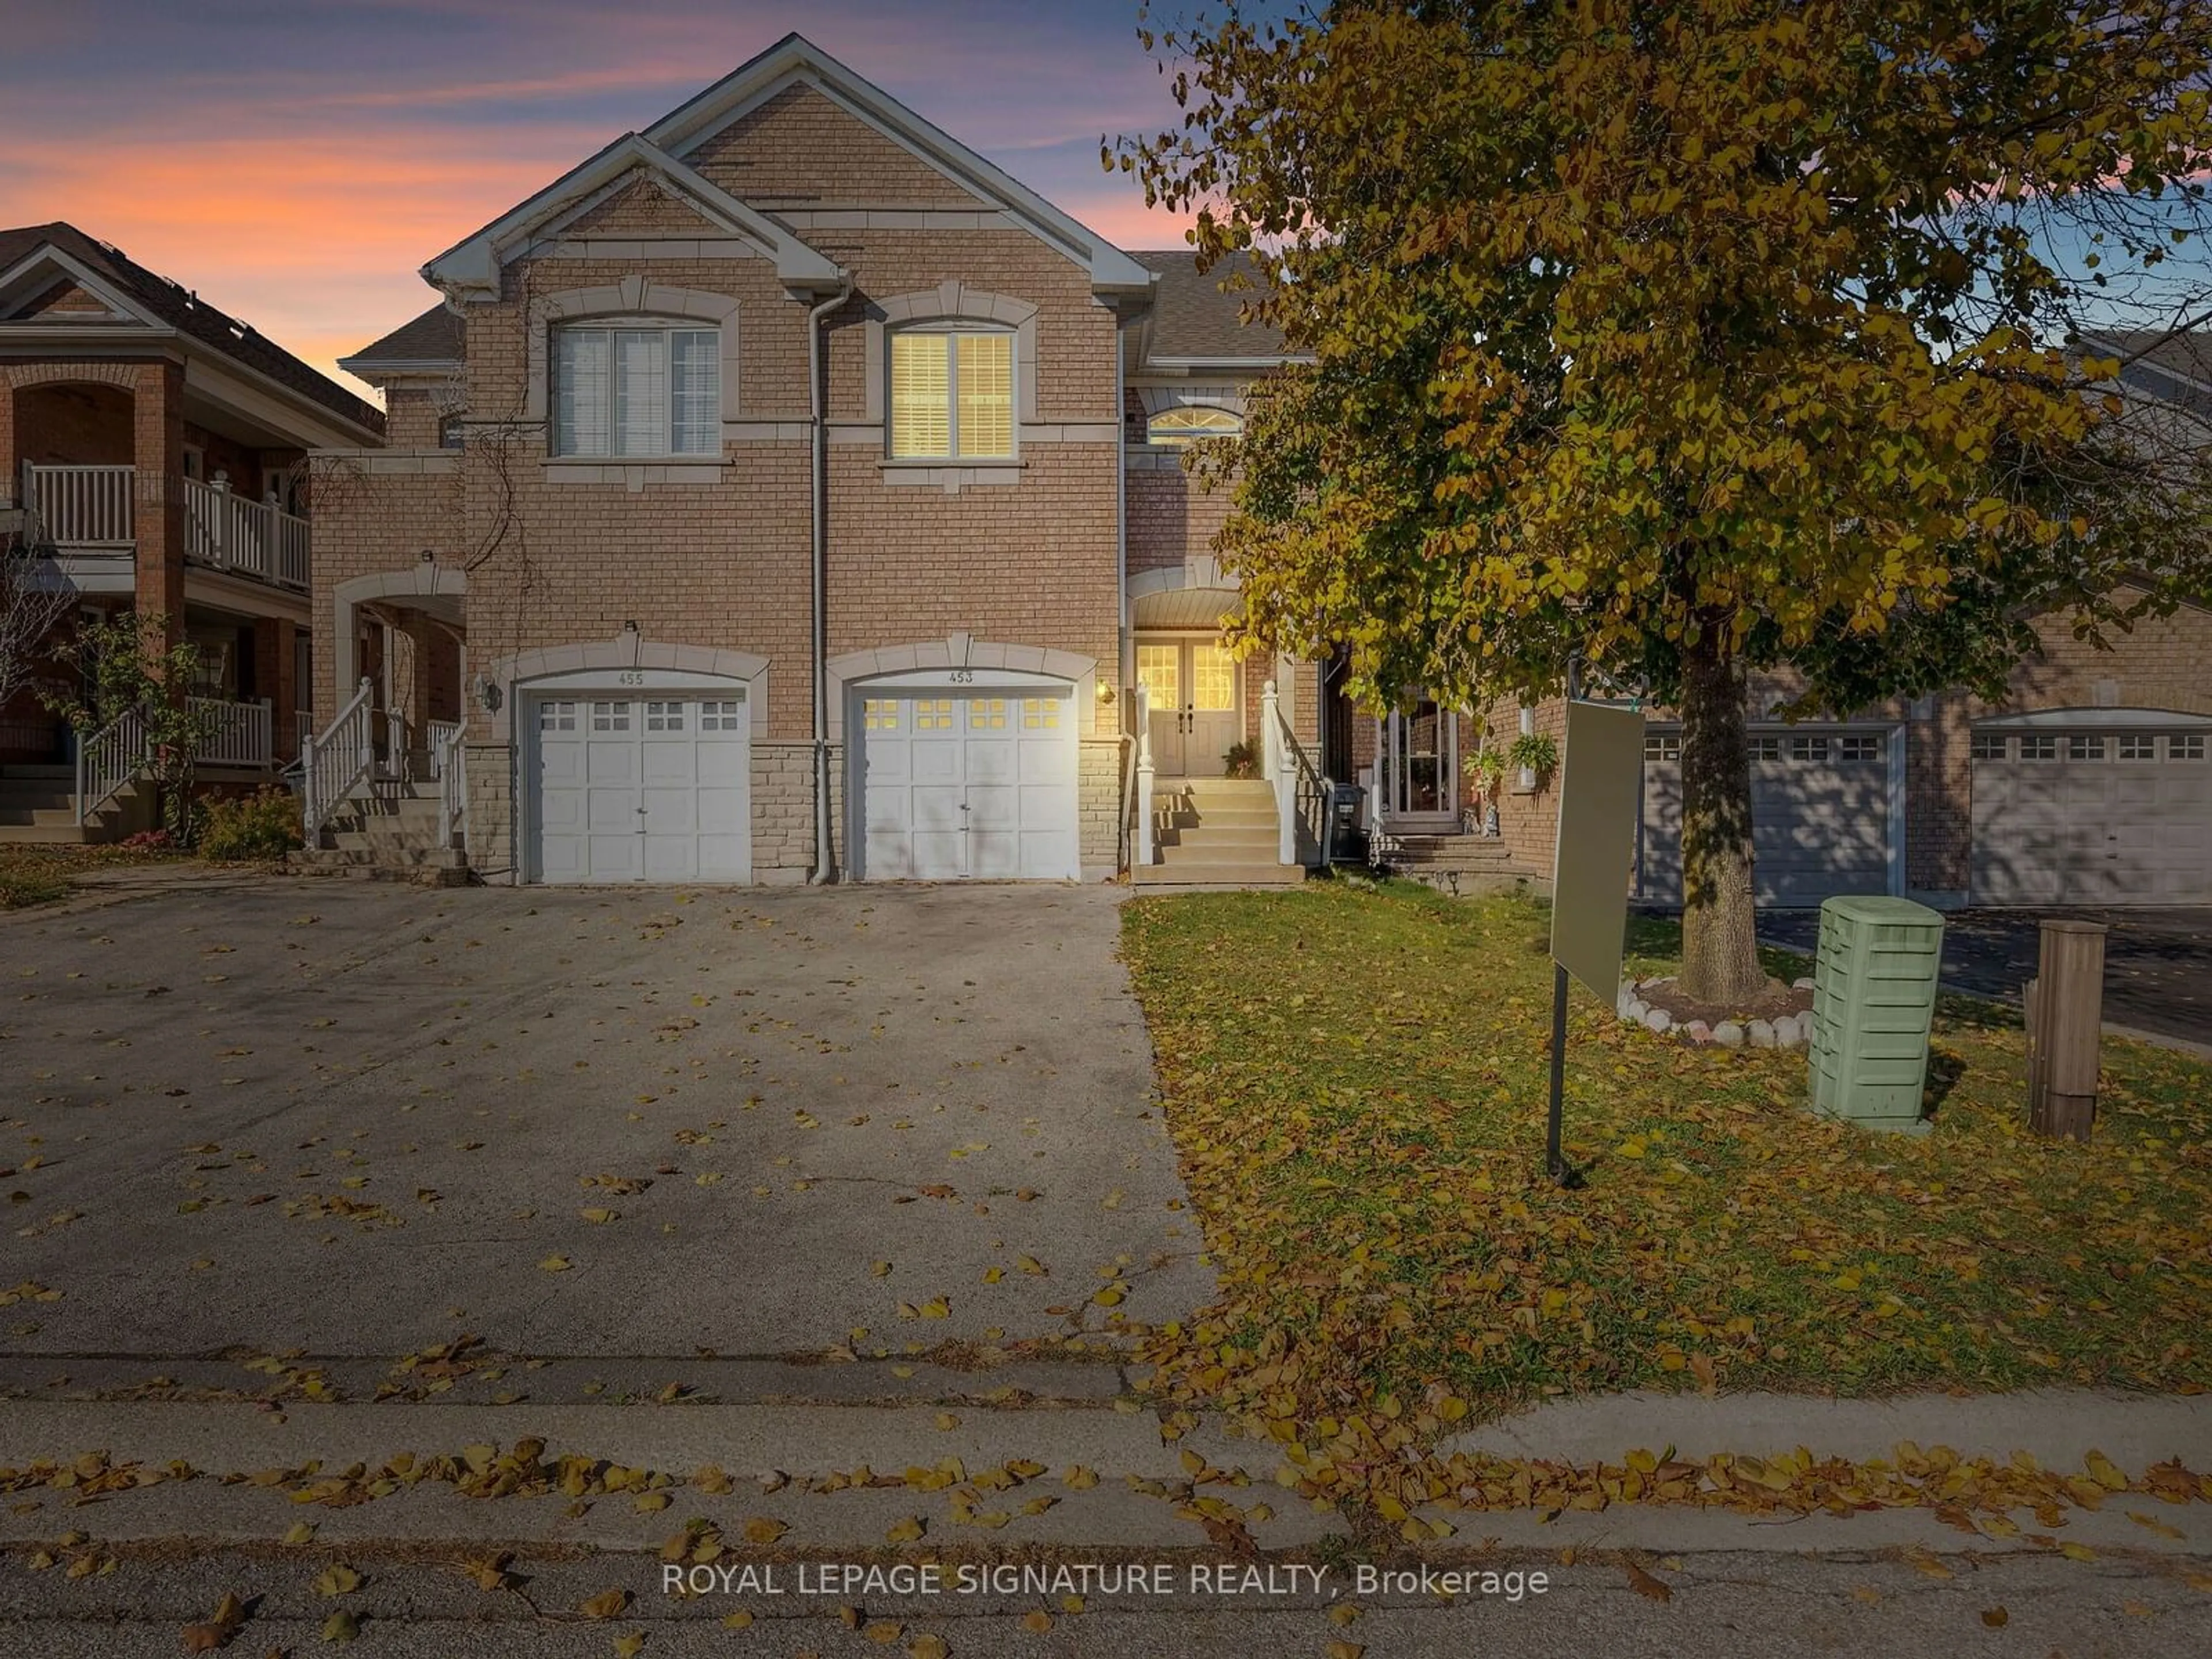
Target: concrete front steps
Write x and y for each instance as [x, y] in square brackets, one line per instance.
[389, 834]
[38, 806]
[1216, 832]
[1464, 865]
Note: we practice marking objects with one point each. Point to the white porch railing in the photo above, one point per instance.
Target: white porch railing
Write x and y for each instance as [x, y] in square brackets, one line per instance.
[449, 759]
[438, 735]
[248, 538]
[81, 506]
[239, 733]
[303, 727]
[1142, 845]
[336, 764]
[1303, 796]
[396, 763]
[108, 759]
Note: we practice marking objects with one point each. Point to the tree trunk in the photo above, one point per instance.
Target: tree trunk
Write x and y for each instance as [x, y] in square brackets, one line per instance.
[1720, 949]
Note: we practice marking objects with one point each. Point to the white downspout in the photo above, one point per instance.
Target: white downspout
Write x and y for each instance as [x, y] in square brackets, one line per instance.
[817, 515]
[1125, 655]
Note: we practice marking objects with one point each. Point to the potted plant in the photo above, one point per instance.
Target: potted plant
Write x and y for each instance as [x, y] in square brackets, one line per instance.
[1241, 761]
[1535, 755]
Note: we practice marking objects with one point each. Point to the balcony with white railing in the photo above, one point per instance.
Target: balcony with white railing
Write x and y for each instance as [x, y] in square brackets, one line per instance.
[90, 515]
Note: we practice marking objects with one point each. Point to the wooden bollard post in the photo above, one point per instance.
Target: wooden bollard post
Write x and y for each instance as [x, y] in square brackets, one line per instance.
[2065, 1027]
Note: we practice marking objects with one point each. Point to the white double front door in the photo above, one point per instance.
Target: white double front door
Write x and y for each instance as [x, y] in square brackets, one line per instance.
[1190, 689]
[653, 784]
[967, 780]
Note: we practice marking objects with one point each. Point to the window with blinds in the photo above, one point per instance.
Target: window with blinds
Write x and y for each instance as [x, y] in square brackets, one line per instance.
[640, 391]
[952, 396]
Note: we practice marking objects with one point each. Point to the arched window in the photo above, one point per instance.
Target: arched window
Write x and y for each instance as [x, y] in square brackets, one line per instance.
[1180, 428]
[636, 387]
[952, 393]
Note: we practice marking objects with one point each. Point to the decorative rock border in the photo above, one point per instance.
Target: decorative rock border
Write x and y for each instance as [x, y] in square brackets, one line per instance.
[1790, 1032]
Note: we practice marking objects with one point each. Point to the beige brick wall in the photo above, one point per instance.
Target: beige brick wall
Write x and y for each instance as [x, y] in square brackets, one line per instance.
[1171, 516]
[798, 147]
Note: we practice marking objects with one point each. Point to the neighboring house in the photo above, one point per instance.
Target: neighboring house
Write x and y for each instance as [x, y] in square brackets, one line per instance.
[787, 492]
[2090, 783]
[158, 445]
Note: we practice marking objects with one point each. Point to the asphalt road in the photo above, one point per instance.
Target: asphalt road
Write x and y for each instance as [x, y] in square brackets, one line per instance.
[2158, 963]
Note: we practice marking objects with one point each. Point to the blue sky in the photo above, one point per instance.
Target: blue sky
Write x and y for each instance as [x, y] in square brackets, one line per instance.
[296, 162]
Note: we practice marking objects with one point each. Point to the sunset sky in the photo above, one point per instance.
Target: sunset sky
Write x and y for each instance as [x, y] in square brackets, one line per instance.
[294, 161]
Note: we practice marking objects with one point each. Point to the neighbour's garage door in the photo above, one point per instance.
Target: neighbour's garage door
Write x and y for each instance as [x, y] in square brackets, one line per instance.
[2092, 817]
[1820, 811]
[968, 782]
[641, 787]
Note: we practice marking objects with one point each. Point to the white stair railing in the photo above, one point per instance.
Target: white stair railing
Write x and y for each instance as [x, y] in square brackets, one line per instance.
[449, 758]
[1142, 850]
[399, 763]
[1302, 795]
[108, 759]
[336, 764]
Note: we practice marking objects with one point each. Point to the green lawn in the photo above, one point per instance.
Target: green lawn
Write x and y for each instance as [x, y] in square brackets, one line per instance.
[1355, 1078]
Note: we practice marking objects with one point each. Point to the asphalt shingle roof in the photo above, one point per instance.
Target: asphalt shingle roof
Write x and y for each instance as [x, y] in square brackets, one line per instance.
[433, 338]
[1192, 317]
[190, 315]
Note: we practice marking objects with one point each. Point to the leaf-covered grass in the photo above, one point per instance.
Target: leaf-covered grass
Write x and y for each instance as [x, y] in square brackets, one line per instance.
[41, 874]
[1356, 1082]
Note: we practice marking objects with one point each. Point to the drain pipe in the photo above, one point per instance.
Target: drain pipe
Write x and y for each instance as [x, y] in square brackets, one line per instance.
[817, 515]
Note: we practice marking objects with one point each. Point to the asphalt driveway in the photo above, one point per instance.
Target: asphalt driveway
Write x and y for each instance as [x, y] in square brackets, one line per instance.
[361, 1119]
[2158, 963]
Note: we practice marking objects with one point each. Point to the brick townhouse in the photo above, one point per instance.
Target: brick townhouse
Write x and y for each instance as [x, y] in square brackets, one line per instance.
[153, 451]
[786, 491]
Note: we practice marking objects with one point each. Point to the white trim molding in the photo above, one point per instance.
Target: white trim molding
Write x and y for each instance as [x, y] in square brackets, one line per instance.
[795, 59]
[632, 296]
[950, 301]
[602, 662]
[470, 268]
[963, 651]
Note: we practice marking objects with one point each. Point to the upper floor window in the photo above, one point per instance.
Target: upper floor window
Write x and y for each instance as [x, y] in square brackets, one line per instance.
[953, 395]
[1179, 428]
[637, 389]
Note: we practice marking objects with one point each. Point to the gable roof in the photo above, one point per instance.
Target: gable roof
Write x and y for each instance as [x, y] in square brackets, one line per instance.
[2173, 365]
[1195, 321]
[470, 269]
[434, 340]
[796, 58]
[168, 305]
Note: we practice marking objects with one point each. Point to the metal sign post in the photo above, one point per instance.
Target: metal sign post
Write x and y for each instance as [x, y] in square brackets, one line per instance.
[1600, 776]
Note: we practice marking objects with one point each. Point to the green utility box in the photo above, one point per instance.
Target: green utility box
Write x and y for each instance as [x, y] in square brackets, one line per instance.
[1874, 998]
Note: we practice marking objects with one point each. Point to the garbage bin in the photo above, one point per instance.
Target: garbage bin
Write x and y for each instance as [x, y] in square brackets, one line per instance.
[1874, 999]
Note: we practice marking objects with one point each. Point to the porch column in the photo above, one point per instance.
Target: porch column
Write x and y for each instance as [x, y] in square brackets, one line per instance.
[158, 452]
[274, 677]
[11, 455]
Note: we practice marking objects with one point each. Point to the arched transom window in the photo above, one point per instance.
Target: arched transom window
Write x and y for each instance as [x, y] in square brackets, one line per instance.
[636, 387]
[1180, 428]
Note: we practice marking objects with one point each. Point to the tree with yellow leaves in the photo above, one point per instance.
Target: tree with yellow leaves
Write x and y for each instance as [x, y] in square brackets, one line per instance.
[1681, 341]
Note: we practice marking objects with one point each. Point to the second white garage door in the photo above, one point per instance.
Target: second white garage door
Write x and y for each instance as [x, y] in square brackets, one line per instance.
[1819, 814]
[967, 782]
[642, 787]
[2080, 814]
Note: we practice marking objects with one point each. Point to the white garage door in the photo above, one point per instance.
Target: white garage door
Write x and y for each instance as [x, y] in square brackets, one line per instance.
[1819, 814]
[2093, 816]
[642, 787]
[968, 782]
